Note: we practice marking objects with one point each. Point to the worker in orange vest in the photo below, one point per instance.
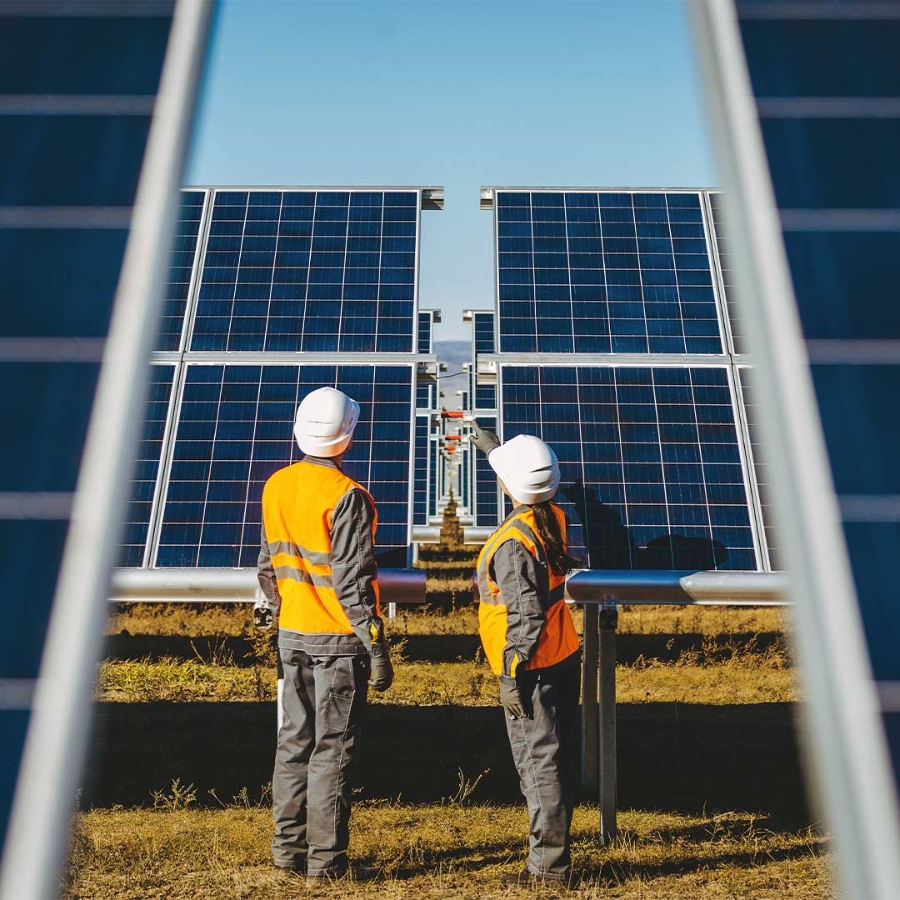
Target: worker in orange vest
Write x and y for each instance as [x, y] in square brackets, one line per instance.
[317, 567]
[531, 644]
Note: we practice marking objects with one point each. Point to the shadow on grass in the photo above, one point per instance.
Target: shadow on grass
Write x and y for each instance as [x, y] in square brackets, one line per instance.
[443, 647]
[677, 757]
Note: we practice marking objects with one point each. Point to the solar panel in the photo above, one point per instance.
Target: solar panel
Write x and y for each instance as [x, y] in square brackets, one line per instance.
[652, 476]
[235, 429]
[604, 272]
[420, 487]
[146, 471]
[832, 136]
[324, 271]
[424, 336]
[486, 490]
[483, 323]
[485, 396]
[79, 84]
[184, 251]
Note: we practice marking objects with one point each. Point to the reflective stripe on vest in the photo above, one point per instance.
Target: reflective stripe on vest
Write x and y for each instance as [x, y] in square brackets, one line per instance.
[558, 639]
[298, 505]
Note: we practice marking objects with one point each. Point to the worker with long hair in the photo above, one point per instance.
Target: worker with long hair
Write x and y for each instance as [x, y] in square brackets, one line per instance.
[531, 644]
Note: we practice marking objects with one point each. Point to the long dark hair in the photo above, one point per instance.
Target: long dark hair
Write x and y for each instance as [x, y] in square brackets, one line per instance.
[550, 533]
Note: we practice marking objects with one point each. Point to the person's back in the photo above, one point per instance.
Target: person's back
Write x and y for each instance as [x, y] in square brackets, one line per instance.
[317, 565]
[299, 506]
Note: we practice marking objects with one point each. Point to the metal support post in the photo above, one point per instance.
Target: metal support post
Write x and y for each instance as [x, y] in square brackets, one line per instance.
[589, 710]
[608, 621]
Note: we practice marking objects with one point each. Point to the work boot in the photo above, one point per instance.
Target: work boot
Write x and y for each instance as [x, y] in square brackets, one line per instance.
[527, 878]
[286, 873]
[353, 872]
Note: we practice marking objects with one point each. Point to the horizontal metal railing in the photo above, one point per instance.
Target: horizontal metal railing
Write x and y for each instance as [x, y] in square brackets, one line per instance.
[207, 585]
[601, 592]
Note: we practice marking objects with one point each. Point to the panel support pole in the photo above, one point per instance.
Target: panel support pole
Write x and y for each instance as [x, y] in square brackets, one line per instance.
[608, 621]
[589, 710]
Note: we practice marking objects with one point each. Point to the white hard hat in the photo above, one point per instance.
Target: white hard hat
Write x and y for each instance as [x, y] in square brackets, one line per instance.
[325, 421]
[527, 467]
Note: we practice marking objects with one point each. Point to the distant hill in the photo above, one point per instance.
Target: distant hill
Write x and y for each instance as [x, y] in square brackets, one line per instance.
[454, 354]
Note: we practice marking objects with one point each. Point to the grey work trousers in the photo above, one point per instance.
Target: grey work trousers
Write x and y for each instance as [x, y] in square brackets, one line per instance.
[318, 750]
[544, 749]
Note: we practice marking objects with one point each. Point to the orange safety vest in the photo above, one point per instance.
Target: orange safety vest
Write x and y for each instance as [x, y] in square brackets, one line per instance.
[297, 505]
[558, 639]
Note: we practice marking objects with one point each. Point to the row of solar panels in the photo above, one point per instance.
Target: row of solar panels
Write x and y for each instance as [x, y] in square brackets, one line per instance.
[637, 473]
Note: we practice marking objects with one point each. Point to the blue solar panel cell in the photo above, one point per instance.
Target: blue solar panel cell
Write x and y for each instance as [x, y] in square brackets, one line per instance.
[59, 55]
[839, 282]
[424, 338]
[13, 727]
[37, 396]
[187, 232]
[334, 271]
[604, 272]
[651, 468]
[103, 171]
[484, 332]
[235, 430]
[486, 396]
[809, 160]
[29, 562]
[72, 296]
[785, 57]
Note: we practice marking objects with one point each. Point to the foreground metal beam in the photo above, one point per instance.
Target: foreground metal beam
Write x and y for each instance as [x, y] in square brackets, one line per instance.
[677, 588]
[404, 586]
[600, 592]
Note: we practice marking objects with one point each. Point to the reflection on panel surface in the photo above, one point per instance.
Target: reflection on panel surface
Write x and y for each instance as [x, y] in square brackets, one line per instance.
[235, 430]
[651, 469]
[601, 272]
[328, 271]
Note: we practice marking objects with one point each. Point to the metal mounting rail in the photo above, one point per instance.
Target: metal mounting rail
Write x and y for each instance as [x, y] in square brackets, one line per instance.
[207, 585]
[677, 588]
[601, 592]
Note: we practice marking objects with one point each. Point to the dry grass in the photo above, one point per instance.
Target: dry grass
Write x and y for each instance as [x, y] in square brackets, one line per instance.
[449, 850]
[738, 675]
[235, 619]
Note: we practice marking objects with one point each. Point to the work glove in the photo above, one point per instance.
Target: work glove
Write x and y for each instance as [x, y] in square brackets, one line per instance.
[511, 698]
[382, 676]
[485, 441]
[263, 613]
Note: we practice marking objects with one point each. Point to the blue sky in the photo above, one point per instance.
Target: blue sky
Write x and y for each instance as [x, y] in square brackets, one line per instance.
[459, 94]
